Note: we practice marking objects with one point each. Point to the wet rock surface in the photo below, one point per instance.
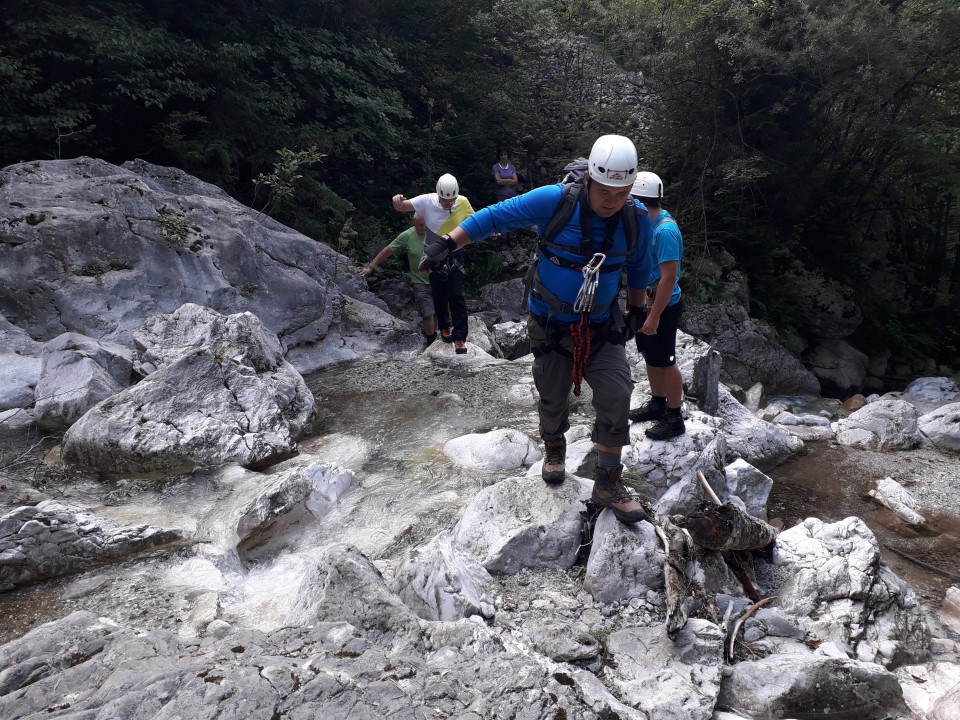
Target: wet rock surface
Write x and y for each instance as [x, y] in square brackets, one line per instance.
[425, 589]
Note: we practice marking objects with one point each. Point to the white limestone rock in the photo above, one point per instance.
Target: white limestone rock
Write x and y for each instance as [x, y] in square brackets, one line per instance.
[887, 424]
[836, 579]
[499, 449]
[443, 581]
[524, 522]
[668, 679]
[940, 390]
[893, 495]
[942, 427]
[746, 482]
[625, 561]
[785, 685]
[77, 373]
[18, 380]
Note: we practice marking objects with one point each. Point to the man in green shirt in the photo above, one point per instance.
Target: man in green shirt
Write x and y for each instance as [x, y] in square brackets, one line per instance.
[411, 242]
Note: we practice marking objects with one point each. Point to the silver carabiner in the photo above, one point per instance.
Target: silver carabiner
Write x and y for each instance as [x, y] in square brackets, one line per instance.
[584, 301]
[593, 267]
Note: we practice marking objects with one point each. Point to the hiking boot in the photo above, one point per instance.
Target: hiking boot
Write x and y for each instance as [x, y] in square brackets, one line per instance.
[460, 347]
[446, 334]
[610, 492]
[429, 340]
[670, 425]
[555, 455]
[652, 409]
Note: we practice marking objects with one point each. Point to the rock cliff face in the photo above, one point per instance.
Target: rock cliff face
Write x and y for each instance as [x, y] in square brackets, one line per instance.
[96, 249]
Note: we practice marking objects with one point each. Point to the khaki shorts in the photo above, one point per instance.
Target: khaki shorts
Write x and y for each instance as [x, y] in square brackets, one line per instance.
[423, 300]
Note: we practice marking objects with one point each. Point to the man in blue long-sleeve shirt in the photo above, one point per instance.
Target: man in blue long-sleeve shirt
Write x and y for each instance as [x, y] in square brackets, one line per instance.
[574, 326]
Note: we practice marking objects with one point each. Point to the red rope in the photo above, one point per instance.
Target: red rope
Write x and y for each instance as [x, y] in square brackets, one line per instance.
[581, 350]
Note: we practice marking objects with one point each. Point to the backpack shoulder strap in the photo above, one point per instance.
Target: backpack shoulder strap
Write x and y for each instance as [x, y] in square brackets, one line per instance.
[563, 212]
[630, 225]
[660, 218]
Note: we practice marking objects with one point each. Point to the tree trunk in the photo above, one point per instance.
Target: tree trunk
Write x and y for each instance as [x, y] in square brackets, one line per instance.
[727, 527]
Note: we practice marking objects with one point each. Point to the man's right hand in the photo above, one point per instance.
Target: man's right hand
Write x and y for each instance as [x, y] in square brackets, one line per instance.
[398, 201]
[636, 316]
[435, 251]
[367, 271]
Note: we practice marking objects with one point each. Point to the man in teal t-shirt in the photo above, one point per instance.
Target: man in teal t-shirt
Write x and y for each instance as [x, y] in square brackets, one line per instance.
[655, 324]
[411, 242]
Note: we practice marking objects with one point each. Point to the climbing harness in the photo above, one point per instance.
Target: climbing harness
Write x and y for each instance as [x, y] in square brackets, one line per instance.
[590, 263]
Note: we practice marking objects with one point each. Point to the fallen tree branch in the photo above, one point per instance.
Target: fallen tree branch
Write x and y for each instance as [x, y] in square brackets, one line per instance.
[742, 619]
[727, 527]
[676, 546]
[707, 489]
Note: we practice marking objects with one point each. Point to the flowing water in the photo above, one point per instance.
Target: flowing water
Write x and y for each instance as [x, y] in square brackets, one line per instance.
[388, 419]
[385, 419]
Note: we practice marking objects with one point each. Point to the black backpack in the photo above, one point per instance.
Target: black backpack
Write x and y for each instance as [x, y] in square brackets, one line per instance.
[573, 195]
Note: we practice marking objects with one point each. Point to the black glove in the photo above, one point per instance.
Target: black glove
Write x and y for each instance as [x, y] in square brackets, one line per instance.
[636, 316]
[435, 251]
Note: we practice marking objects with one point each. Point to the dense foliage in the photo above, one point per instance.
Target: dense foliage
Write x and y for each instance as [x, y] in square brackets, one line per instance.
[818, 132]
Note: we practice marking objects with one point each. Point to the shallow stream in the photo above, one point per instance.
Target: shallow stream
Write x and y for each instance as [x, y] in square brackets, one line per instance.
[388, 420]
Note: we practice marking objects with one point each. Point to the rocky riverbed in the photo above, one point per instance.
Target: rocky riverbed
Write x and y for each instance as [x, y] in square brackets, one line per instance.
[189, 527]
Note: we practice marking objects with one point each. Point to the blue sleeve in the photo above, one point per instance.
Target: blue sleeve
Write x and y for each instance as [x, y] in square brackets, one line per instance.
[640, 263]
[532, 208]
[669, 243]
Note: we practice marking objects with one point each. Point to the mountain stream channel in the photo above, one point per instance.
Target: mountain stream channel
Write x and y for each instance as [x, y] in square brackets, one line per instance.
[387, 419]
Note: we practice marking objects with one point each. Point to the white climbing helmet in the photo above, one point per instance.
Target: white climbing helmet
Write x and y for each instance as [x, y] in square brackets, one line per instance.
[447, 187]
[647, 185]
[613, 161]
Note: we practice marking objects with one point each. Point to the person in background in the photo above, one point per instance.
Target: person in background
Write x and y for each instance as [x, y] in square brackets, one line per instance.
[656, 321]
[442, 211]
[410, 241]
[605, 232]
[505, 177]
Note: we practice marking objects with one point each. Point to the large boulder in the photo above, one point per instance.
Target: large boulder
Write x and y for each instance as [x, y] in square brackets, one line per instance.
[508, 298]
[52, 539]
[92, 248]
[523, 522]
[15, 341]
[784, 686]
[829, 310]
[77, 372]
[836, 579]
[223, 393]
[840, 367]
[942, 426]
[937, 390]
[626, 561]
[887, 424]
[19, 381]
[749, 348]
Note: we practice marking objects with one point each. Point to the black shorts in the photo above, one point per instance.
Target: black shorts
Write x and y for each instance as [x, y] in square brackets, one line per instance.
[660, 350]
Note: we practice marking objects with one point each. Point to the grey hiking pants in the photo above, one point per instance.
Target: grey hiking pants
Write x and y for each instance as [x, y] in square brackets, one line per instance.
[607, 373]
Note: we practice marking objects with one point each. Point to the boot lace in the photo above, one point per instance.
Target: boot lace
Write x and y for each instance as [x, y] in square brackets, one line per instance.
[556, 450]
[617, 493]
